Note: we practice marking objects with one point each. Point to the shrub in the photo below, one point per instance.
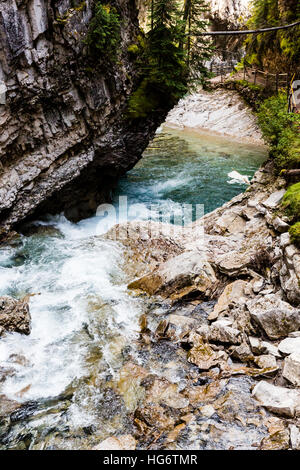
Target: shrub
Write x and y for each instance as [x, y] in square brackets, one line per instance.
[291, 201]
[295, 234]
[280, 129]
[103, 36]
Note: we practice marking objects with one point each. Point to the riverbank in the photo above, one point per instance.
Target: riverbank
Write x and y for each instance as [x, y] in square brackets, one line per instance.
[226, 320]
[222, 112]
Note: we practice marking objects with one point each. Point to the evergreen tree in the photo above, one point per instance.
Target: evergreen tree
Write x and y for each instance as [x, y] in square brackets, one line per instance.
[277, 50]
[198, 48]
[171, 50]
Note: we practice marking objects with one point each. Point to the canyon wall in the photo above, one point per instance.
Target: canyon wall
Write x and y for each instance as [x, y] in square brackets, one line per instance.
[229, 12]
[65, 138]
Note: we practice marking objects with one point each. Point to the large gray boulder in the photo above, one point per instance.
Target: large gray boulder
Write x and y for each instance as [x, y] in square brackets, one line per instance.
[183, 275]
[280, 400]
[289, 346]
[275, 316]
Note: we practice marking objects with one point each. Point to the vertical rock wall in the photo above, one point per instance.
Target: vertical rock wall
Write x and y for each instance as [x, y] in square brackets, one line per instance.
[64, 135]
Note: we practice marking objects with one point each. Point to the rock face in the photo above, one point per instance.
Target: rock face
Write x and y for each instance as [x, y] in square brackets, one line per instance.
[14, 315]
[220, 111]
[64, 135]
[230, 12]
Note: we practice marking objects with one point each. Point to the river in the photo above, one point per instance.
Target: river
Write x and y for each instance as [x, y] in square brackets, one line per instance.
[84, 321]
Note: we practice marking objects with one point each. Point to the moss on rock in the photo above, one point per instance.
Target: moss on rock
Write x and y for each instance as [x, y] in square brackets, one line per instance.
[291, 201]
[295, 234]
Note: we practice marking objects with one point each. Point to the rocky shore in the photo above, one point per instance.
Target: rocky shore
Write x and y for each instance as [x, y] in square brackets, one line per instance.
[223, 331]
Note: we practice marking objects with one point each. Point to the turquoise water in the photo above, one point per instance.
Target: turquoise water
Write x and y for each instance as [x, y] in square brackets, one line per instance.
[187, 167]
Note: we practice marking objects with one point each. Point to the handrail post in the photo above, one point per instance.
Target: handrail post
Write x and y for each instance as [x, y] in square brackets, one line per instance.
[277, 78]
[255, 73]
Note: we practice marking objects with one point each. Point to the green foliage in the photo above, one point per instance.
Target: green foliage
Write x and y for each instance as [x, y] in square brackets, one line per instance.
[280, 129]
[291, 205]
[275, 49]
[291, 201]
[145, 100]
[251, 86]
[133, 49]
[166, 55]
[294, 232]
[103, 36]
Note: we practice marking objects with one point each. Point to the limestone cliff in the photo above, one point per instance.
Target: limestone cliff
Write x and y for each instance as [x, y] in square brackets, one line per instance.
[229, 12]
[225, 15]
[64, 135]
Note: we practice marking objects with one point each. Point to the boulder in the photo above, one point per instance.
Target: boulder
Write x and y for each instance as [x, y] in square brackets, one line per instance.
[183, 275]
[290, 273]
[291, 369]
[289, 346]
[275, 316]
[220, 333]
[263, 347]
[179, 325]
[14, 315]
[202, 354]
[242, 352]
[233, 294]
[279, 400]
[234, 262]
[280, 225]
[295, 437]
[126, 442]
[266, 361]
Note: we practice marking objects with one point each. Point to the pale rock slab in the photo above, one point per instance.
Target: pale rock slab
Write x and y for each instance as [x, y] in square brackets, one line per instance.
[289, 346]
[263, 347]
[291, 369]
[279, 400]
[295, 437]
[126, 442]
[274, 199]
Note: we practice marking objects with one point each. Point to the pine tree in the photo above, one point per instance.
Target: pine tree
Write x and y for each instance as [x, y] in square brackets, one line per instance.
[170, 51]
[198, 48]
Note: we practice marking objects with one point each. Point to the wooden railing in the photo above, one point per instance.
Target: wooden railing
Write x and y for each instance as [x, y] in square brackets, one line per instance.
[273, 81]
